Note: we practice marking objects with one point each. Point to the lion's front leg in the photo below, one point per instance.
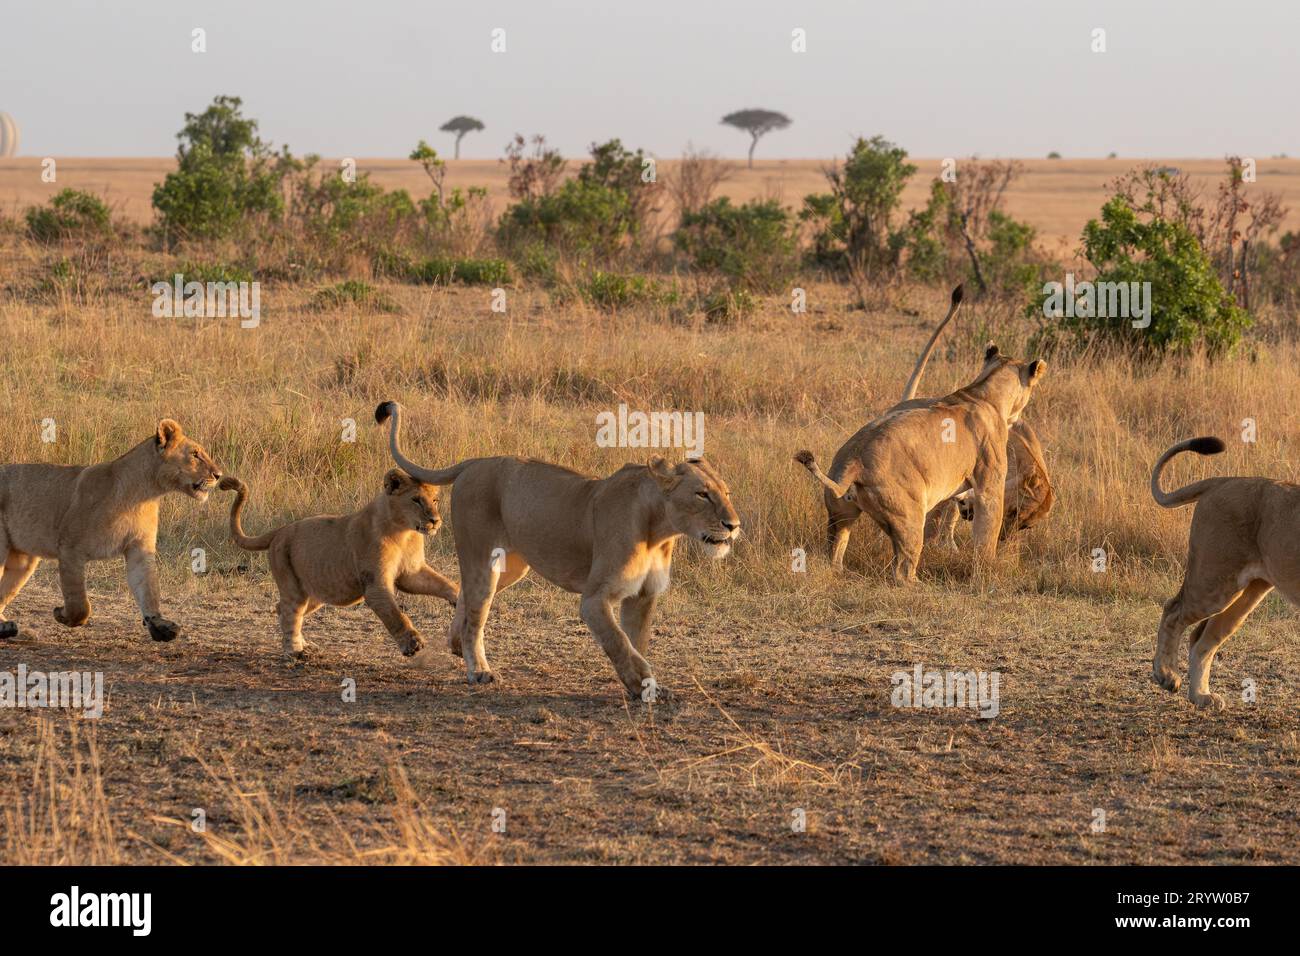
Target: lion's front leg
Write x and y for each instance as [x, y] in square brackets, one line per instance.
[633, 669]
[142, 579]
[75, 610]
[636, 615]
[383, 602]
[428, 581]
[988, 491]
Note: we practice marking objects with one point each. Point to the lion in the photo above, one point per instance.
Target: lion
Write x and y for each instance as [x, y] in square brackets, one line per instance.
[365, 556]
[898, 467]
[611, 540]
[1241, 546]
[82, 513]
[1028, 496]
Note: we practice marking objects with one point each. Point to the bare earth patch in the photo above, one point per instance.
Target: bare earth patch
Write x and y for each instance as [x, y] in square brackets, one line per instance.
[775, 714]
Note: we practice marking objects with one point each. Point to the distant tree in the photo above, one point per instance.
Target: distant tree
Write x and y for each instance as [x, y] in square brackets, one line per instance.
[460, 125]
[756, 123]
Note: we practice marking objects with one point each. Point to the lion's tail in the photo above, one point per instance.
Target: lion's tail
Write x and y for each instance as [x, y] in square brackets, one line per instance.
[441, 476]
[261, 543]
[809, 461]
[914, 382]
[1188, 493]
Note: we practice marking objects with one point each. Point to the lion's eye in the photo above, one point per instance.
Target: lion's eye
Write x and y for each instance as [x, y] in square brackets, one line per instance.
[702, 494]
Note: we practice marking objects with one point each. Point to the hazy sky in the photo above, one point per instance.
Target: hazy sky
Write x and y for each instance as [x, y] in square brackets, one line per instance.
[940, 77]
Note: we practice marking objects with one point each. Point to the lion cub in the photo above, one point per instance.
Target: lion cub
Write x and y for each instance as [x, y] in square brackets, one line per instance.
[1242, 545]
[82, 513]
[359, 557]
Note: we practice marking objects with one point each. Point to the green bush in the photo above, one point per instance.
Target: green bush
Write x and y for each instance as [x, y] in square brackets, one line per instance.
[581, 217]
[852, 222]
[753, 245]
[612, 290]
[1150, 243]
[225, 175]
[597, 213]
[207, 272]
[69, 214]
[469, 271]
[353, 292]
[724, 306]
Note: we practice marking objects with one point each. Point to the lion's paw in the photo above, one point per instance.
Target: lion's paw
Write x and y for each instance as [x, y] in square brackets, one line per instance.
[410, 642]
[1167, 679]
[1208, 701]
[160, 629]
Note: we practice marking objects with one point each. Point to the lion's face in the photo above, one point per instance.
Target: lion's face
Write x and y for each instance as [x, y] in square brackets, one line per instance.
[412, 503]
[183, 465]
[699, 504]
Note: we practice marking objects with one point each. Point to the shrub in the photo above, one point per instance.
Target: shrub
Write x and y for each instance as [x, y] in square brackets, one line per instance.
[612, 290]
[69, 214]
[207, 272]
[725, 305]
[597, 213]
[353, 292]
[469, 271]
[852, 222]
[753, 245]
[225, 176]
[1151, 243]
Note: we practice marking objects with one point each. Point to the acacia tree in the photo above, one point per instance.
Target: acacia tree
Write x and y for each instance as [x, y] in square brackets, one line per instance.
[756, 123]
[460, 125]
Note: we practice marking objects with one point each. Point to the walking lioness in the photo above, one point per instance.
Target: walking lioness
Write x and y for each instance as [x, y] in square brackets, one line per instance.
[364, 556]
[1243, 543]
[609, 539]
[82, 513]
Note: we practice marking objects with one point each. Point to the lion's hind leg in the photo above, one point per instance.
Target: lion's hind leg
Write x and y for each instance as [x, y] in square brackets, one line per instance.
[18, 568]
[1210, 637]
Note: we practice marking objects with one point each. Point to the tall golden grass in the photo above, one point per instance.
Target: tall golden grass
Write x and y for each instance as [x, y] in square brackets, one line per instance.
[272, 404]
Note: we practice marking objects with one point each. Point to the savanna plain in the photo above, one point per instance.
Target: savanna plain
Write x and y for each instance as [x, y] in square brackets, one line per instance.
[781, 744]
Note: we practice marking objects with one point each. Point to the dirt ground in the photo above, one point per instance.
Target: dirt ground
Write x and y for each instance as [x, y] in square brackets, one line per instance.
[777, 714]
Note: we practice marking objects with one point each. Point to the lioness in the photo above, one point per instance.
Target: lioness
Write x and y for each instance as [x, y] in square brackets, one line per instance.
[900, 466]
[1028, 496]
[609, 539]
[1242, 545]
[81, 513]
[358, 557]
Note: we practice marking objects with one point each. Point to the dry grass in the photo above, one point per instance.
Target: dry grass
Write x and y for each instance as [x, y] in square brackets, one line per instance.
[784, 677]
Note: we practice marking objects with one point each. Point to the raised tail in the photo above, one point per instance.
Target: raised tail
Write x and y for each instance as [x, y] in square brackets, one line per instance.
[914, 382]
[807, 459]
[1188, 493]
[261, 543]
[442, 476]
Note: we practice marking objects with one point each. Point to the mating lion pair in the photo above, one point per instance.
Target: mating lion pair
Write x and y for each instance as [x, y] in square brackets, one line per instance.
[926, 460]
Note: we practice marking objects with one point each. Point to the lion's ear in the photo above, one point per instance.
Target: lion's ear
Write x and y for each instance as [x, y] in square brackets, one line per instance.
[169, 433]
[666, 477]
[990, 352]
[395, 480]
[1036, 369]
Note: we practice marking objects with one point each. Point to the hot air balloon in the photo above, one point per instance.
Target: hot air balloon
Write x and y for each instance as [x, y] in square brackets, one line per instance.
[8, 136]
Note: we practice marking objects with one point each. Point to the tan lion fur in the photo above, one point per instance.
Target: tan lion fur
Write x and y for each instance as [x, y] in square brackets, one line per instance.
[1242, 545]
[368, 556]
[609, 539]
[83, 513]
